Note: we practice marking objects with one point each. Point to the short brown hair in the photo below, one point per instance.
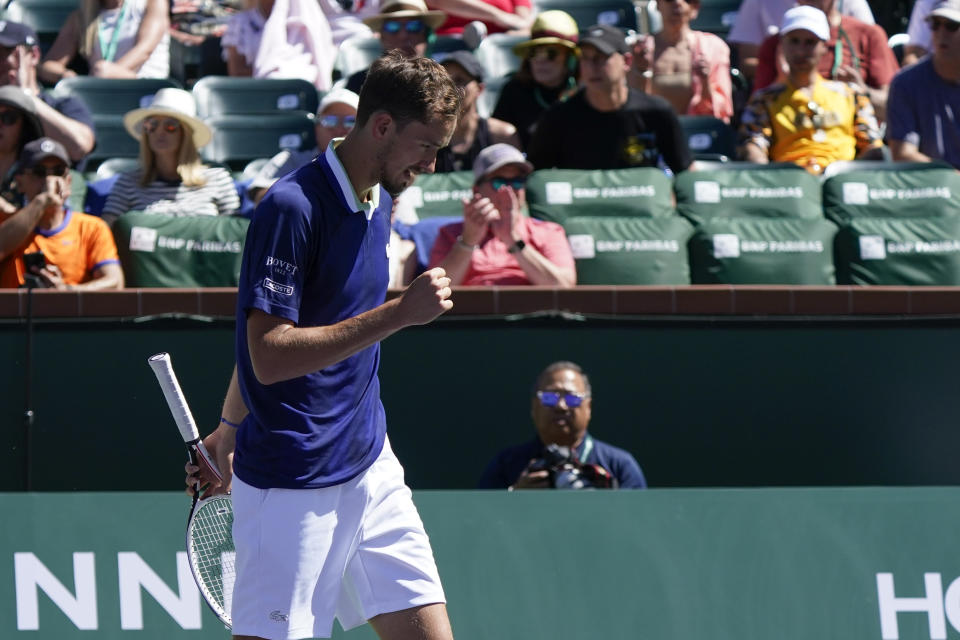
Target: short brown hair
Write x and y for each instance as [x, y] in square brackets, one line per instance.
[409, 89]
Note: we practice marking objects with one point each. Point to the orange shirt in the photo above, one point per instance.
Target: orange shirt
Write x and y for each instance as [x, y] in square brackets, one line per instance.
[79, 246]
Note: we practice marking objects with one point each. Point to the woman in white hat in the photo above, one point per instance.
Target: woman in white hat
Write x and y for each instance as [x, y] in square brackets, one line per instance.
[171, 179]
[547, 74]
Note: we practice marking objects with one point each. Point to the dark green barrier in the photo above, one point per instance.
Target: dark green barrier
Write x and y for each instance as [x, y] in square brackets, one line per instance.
[848, 564]
[699, 403]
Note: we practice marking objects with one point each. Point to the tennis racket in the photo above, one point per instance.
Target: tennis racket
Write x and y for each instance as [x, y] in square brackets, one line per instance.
[210, 523]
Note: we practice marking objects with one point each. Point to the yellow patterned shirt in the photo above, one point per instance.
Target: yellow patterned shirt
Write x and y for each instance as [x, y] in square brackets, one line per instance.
[810, 127]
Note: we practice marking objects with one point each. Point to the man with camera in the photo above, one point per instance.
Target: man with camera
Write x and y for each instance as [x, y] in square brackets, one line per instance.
[44, 243]
[562, 455]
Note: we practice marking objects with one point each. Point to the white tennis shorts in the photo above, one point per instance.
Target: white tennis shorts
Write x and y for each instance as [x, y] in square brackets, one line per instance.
[352, 551]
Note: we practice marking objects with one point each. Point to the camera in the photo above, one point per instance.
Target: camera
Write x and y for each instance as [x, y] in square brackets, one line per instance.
[566, 472]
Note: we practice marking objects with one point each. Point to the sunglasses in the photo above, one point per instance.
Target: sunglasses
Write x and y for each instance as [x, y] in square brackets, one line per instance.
[949, 25]
[169, 125]
[411, 26]
[42, 171]
[550, 53]
[516, 183]
[10, 118]
[330, 121]
[552, 398]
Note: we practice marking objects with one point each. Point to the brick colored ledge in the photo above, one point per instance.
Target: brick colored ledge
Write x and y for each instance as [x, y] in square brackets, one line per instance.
[718, 300]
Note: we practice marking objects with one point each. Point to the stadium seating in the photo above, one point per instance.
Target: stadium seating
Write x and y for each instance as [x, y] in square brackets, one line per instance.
[356, 54]
[621, 250]
[114, 166]
[558, 194]
[716, 16]
[899, 224]
[619, 13]
[168, 251]
[225, 95]
[108, 99]
[238, 139]
[495, 53]
[437, 194]
[709, 138]
[757, 225]
[46, 17]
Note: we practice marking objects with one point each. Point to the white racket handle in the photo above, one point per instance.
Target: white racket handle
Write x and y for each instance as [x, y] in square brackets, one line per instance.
[163, 368]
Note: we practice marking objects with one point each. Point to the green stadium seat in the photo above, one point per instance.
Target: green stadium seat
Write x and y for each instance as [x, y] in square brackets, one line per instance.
[238, 139]
[113, 141]
[619, 13]
[113, 96]
[225, 95]
[46, 17]
[899, 224]
[558, 194]
[78, 190]
[630, 250]
[356, 54]
[773, 191]
[716, 16]
[168, 251]
[781, 251]
[114, 166]
[709, 137]
[495, 53]
[487, 101]
[435, 195]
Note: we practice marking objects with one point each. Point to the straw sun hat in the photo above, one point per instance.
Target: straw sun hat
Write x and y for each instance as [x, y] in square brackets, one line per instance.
[171, 103]
[551, 27]
[391, 9]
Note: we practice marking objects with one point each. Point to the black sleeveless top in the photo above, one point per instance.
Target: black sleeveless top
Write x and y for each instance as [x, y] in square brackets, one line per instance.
[448, 161]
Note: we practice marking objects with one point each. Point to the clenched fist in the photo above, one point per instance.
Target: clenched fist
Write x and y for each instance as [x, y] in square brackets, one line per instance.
[426, 298]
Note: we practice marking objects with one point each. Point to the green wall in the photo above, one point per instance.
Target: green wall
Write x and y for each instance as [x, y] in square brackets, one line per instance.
[791, 564]
[699, 403]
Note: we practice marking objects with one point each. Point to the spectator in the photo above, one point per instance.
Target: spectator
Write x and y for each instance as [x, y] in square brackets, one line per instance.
[808, 120]
[335, 117]
[115, 39]
[77, 249]
[857, 53]
[560, 407]
[689, 69]
[758, 19]
[548, 73]
[345, 17]
[608, 125]
[19, 125]
[280, 39]
[918, 31]
[171, 180]
[473, 133]
[497, 243]
[66, 119]
[923, 122]
[498, 16]
[405, 25]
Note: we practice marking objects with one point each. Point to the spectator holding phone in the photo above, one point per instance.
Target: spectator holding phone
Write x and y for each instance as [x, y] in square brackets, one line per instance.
[46, 241]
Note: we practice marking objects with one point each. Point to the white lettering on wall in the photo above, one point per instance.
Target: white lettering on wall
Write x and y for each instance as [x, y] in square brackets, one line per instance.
[31, 575]
[134, 573]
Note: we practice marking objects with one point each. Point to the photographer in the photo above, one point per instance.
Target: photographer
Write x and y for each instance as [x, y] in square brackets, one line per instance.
[46, 242]
[563, 454]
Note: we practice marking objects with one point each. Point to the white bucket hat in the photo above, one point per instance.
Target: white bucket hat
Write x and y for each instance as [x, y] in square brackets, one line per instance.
[172, 103]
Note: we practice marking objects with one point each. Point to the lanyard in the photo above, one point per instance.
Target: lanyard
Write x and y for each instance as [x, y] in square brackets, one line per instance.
[108, 50]
[838, 52]
[587, 448]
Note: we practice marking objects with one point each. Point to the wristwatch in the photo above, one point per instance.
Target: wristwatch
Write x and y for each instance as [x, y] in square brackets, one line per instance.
[517, 247]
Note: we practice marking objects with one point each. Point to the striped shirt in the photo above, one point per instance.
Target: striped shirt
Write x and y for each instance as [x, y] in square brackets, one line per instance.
[217, 197]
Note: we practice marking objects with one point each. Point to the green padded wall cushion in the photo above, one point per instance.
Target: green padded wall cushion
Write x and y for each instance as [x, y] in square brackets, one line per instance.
[558, 194]
[166, 251]
[918, 191]
[438, 194]
[630, 250]
[763, 251]
[913, 251]
[764, 192]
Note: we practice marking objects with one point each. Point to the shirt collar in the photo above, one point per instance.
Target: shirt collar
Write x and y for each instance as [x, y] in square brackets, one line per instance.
[368, 201]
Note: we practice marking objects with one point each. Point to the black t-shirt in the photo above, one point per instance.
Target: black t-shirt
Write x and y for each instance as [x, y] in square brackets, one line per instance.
[521, 104]
[574, 135]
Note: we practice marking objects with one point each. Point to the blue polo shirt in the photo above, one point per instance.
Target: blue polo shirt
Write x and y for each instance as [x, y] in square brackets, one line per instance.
[315, 255]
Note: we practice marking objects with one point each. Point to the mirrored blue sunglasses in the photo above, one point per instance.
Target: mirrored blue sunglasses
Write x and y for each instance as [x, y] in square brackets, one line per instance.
[411, 26]
[516, 183]
[330, 121]
[552, 398]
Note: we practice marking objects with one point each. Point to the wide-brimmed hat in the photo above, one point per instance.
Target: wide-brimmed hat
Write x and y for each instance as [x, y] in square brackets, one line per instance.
[551, 27]
[15, 97]
[171, 103]
[391, 9]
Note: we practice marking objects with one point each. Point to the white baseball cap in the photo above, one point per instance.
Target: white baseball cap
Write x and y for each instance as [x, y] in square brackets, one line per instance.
[806, 17]
[949, 9]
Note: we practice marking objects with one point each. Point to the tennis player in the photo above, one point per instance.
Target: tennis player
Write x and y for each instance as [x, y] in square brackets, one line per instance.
[324, 525]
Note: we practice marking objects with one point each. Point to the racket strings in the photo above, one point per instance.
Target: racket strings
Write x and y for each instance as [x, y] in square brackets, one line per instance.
[212, 551]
